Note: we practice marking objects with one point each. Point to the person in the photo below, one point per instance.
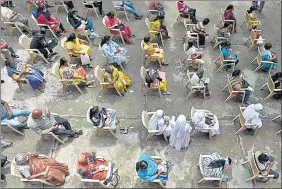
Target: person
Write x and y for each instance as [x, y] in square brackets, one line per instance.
[150, 50]
[277, 79]
[129, 7]
[112, 22]
[7, 50]
[3, 162]
[34, 166]
[252, 116]
[260, 6]
[43, 16]
[18, 70]
[158, 26]
[156, 5]
[8, 4]
[69, 4]
[204, 122]
[47, 123]
[229, 15]
[39, 42]
[40, 3]
[180, 134]
[149, 169]
[117, 78]
[254, 21]
[113, 52]
[103, 117]
[8, 114]
[81, 24]
[227, 54]
[197, 81]
[195, 54]
[90, 167]
[238, 83]
[78, 74]
[98, 4]
[9, 15]
[78, 47]
[264, 163]
[200, 29]
[187, 11]
[156, 77]
[267, 55]
[217, 166]
[225, 31]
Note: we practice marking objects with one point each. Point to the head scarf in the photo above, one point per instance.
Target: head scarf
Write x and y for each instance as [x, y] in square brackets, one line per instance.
[199, 118]
[252, 114]
[180, 127]
[156, 119]
[258, 107]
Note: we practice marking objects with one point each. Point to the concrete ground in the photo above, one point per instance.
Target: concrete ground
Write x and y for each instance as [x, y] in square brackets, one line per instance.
[125, 150]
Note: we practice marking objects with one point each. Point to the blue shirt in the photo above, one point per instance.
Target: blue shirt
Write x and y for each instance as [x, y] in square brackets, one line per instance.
[3, 110]
[151, 171]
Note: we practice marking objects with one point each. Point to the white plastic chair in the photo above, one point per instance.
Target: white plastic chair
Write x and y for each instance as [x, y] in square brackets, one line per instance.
[12, 25]
[44, 25]
[222, 21]
[109, 30]
[193, 89]
[60, 4]
[146, 116]
[148, 24]
[85, 33]
[103, 53]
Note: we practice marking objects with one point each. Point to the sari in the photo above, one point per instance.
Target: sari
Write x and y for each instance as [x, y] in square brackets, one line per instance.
[154, 27]
[77, 46]
[265, 56]
[48, 19]
[69, 73]
[34, 76]
[151, 51]
[214, 171]
[228, 15]
[252, 117]
[121, 83]
[157, 122]
[113, 55]
[125, 32]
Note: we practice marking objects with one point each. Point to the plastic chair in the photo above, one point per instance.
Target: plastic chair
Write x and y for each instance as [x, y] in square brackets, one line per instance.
[191, 36]
[222, 60]
[148, 24]
[12, 25]
[85, 33]
[232, 93]
[12, 128]
[222, 21]
[63, 45]
[150, 58]
[144, 75]
[193, 89]
[271, 87]
[277, 117]
[252, 38]
[260, 61]
[47, 27]
[181, 18]
[146, 123]
[111, 34]
[86, 9]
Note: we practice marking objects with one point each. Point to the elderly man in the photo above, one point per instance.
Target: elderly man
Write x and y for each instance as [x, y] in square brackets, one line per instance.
[44, 124]
[264, 163]
[252, 115]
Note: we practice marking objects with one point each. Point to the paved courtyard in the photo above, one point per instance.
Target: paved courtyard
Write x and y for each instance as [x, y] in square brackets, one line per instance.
[125, 150]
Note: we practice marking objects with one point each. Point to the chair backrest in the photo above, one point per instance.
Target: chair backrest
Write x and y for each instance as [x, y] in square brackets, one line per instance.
[56, 70]
[143, 73]
[34, 19]
[99, 73]
[147, 22]
[190, 75]
[24, 41]
[247, 18]
[270, 84]
[142, 45]
[104, 21]
[192, 112]
[241, 117]
[201, 164]
[88, 115]
[63, 43]
[254, 167]
[145, 119]
[14, 169]
[216, 31]
[230, 90]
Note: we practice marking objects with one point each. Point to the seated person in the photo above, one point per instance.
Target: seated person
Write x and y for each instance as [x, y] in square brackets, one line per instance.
[18, 70]
[129, 7]
[43, 16]
[187, 11]
[200, 29]
[40, 3]
[197, 81]
[150, 50]
[156, 5]
[217, 166]
[195, 54]
[229, 15]
[277, 79]
[252, 116]
[113, 52]
[90, 167]
[7, 50]
[39, 42]
[69, 4]
[264, 163]
[225, 32]
[97, 4]
[78, 74]
[254, 21]
[158, 26]
[8, 3]
[47, 123]
[203, 122]
[81, 24]
[117, 79]
[153, 77]
[33, 166]
[103, 117]
[3, 162]
[149, 169]
[228, 54]
[267, 55]
[8, 114]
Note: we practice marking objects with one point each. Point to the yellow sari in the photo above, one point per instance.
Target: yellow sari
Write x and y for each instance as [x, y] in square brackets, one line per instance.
[121, 83]
[154, 27]
[152, 51]
[77, 46]
[252, 18]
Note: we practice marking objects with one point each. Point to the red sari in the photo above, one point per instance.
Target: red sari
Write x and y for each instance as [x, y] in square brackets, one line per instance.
[126, 32]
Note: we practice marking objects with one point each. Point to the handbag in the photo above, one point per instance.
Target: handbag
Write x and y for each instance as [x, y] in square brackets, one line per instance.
[85, 59]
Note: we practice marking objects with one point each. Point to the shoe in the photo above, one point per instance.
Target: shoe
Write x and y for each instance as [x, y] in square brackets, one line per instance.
[2, 81]
[89, 66]
[3, 178]
[167, 37]
[79, 132]
[75, 135]
[15, 55]
[139, 17]
[247, 103]
[94, 35]
[166, 93]
[165, 64]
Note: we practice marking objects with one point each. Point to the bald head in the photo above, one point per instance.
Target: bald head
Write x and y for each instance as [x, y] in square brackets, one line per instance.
[36, 113]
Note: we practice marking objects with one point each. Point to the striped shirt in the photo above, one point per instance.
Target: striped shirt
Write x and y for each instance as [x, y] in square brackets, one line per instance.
[199, 27]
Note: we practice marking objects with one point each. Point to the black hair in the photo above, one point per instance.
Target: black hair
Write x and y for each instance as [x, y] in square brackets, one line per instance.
[236, 73]
[206, 21]
[42, 30]
[105, 39]
[276, 76]
[263, 158]
[147, 39]
[226, 44]
[180, 1]
[40, 8]
[159, 17]
[252, 8]
[7, 62]
[141, 165]
[229, 161]
[71, 37]
[267, 46]
[217, 163]
[189, 44]
[226, 24]
[71, 13]
[110, 14]
[229, 7]
[62, 61]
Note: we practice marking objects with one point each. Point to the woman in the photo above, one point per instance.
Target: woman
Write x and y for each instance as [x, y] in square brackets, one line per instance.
[180, 135]
[81, 24]
[33, 166]
[252, 115]
[267, 55]
[43, 16]
[196, 80]
[203, 122]
[78, 74]
[98, 4]
[149, 169]
[277, 79]
[225, 32]
[102, 117]
[153, 77]
[254, 21]
[158, 26]
[18, 70]
[114, 53]
[187, 11]
[112, 22]
[195, 54]
[216, 166]
[156, 5]
[228, 15]
[150, 50]
[117, 78]
[227, 54]
[239, 84]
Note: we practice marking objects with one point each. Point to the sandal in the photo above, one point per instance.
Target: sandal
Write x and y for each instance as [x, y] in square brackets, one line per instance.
[79, 132]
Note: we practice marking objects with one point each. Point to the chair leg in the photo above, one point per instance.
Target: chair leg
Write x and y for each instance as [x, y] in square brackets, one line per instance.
[162, 39]
[270, 95]
[163, 186]
[259, 67]
[252, 45]
[122, 39]
[217, 59]
[103, 185]
[28, 7]
[220, 68]
[230, 96]
[201, 180]
[53, 33]
[126, 15]
[225, 87]
[58, 139]
[160, 63]
[241, 129]
[276, 118]
[235, 118]
[10, 30]
[96, 12]
[252, 178]
[160, 92]
[77, 87]
[246, 40]
[215, 45]
[193, 132]
[118, 92]
[114, 135]
[253, 60]
[85, 12]
[263, 86]
[190, 93]
[278, 132]
[16, 130]
[242, 23]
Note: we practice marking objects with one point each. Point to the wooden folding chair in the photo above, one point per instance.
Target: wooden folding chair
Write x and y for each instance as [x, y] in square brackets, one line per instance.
[151, 13]
[86, 9]
[181, 18]
[29, 3]
[12, 128]
[12, 25]
[120, 9]
[103, 129]
[249, 22]
[222, 21]
[217, 40]
[201, 166]
[59, 4]
[222, 62]
[277, 117]
[271, 87]
[77, 32]
[193, 89]
[254, 41]
[146, 116]
[145, 85]
[260, 61]
[150, 58]
[191, 37]
[47, 27]
[232, 93]
[99, 74]
[104, 55]
[148, 24]
[111, 34]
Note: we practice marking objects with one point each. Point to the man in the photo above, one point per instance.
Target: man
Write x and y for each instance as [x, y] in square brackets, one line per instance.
[200, 29]
[8, 51]
[156, 5]
[252, 116]
[44, 124]
[10, 16]
[129, 7]
[8, 115]
[264, 163]
[3, 162]
[260, 6]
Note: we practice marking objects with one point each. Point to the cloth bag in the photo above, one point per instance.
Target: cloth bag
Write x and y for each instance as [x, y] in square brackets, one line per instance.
[85, 59]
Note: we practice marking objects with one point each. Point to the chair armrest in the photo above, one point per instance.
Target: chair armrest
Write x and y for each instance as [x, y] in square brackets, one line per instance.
[154, 31]
[153, 131]
[205, 156]
[9, 22]
[155, 44]
[150, 113]
[55, 114]
[229, 60]
[198, 87]
[221, 38]
[238, 91]
[257, 30]
[31, 180]
[115, 29]
[277, 90]
[105, 83]
[89, 180]
[156, 157]
[188, 32]
[153, 10]
[259, 39]
[229, 20]
[65, 80]
[212, 178]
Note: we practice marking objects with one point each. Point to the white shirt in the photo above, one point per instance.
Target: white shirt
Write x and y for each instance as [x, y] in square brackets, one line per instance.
[118, 3]
[6, 13]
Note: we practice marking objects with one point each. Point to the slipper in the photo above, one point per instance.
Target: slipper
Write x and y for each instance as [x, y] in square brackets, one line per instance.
[79, 132]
